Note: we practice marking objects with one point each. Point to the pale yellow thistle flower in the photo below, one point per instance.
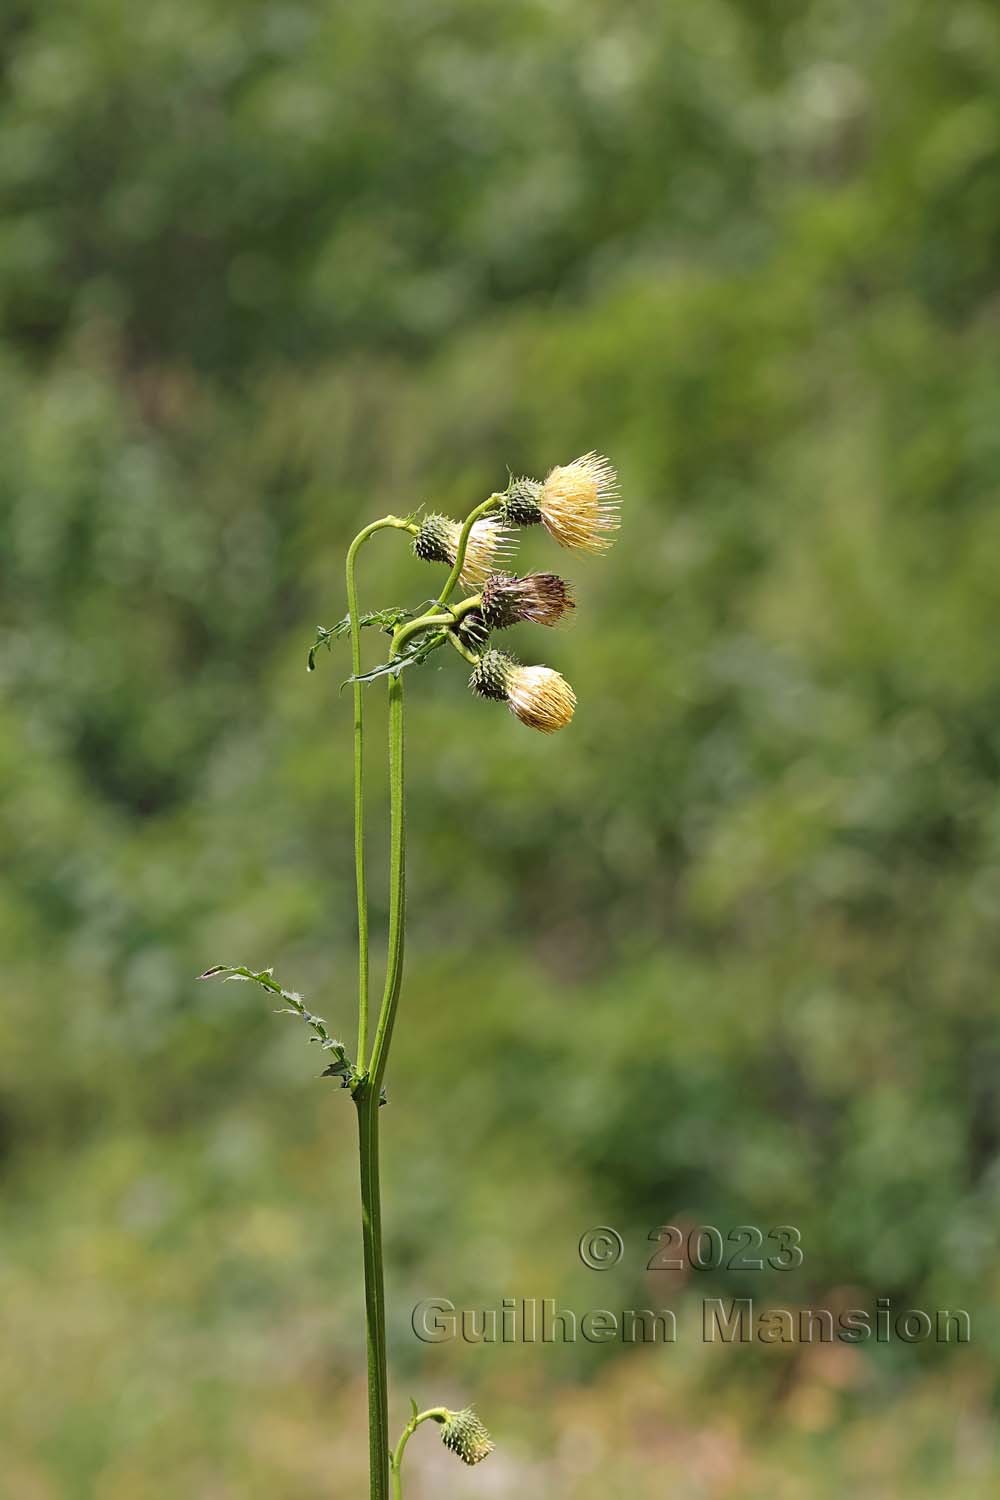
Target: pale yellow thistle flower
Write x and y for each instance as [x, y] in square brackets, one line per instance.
[580, 503]
[490, 544]
[538, 696]
[541, 698]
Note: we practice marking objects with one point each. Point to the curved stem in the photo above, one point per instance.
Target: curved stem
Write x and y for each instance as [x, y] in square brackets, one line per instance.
[359, 771]
[463, 649]
[463, 542]
[414, 627]
[462, 608]
[439, 1414]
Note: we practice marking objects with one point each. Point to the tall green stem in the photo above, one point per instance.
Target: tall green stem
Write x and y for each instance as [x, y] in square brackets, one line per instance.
[359, 772]
[397, 883]
[368, 1096]
[368, 1113]
[371, 1229]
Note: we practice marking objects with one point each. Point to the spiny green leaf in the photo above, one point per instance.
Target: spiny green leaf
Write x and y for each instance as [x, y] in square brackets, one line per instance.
[381, 619]
[414, 654]
[344, 1068]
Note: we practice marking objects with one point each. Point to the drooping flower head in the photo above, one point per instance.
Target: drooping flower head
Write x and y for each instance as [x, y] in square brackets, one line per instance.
[490, 544]
[580, 503]
[542, 598]
[540, 697]
[464, 1434]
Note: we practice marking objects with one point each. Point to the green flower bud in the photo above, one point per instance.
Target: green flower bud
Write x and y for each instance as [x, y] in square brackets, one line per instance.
[521, 507]
[435, 541]
[465, 1435]
[491, 676]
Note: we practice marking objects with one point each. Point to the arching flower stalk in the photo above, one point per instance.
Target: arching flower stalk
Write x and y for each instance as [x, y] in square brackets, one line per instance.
[578, 505]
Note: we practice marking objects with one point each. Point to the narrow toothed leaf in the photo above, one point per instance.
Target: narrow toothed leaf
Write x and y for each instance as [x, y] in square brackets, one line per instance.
[294, 1005]
[413, 656]
[386, 620]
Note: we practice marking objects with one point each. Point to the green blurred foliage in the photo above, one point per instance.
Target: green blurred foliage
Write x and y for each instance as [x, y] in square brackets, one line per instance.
[725, 952]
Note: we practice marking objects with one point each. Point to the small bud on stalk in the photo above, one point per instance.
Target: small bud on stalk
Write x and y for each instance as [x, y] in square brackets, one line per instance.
[542, 598]
[464, 1434]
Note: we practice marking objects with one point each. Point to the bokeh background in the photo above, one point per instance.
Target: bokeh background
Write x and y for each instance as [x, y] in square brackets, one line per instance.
[726, 952]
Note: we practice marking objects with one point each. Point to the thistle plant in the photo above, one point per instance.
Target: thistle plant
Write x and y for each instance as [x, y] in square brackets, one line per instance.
[578, 505]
